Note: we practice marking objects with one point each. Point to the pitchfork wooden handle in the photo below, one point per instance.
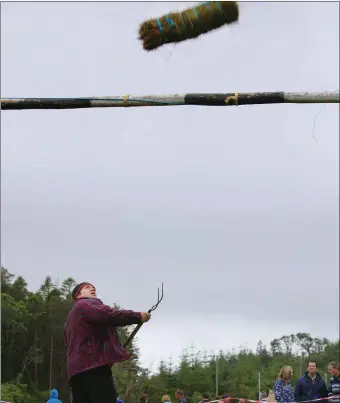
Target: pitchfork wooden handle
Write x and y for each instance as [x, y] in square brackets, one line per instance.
[134, 332]
[132, 335]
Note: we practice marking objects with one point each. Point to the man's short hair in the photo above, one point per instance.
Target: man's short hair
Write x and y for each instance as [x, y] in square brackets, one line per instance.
[334, 364]
[312, 361]
[206, 395]
[179, 392]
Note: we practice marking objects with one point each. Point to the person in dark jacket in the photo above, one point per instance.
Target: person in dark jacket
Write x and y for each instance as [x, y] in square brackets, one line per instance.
[310, 386]
[189, 397]
[179, 396]
[54, 395]
[93, 345]
[334, 383]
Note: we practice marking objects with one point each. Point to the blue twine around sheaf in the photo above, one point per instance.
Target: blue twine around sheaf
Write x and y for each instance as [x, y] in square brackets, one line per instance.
[160, 27]
[170, 21]
[182, 20]
[208, 3]
[220, 7]
[196, 13]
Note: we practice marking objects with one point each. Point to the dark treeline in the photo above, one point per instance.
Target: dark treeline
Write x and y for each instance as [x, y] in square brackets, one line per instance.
[33, 356]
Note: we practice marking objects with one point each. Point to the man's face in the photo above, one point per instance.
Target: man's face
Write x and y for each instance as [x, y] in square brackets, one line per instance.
[311, 368]
[177, 396]
[88, 291]
[334, 372]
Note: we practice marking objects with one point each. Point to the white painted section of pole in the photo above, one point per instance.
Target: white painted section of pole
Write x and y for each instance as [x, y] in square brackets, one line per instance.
[259, 385]
[301, 358]
[312, 97]
[217, 361]
[147, 100]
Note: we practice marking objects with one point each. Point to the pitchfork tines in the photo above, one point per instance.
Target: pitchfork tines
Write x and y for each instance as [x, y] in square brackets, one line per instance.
[159, 299]
[136, 329]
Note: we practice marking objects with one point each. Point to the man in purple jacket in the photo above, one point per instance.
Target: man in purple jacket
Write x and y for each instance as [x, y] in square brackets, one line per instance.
[93, 345]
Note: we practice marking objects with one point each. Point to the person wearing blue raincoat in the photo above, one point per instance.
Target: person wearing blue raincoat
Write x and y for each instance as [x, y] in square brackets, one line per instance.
[54, 397]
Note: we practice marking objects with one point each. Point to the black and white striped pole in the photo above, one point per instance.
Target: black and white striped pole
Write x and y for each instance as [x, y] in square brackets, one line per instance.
[220, 99]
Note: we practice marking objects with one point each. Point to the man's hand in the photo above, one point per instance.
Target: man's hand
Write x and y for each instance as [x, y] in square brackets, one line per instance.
[145, 316]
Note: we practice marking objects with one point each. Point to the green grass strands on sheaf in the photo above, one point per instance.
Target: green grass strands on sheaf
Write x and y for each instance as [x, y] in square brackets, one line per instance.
[188, 24]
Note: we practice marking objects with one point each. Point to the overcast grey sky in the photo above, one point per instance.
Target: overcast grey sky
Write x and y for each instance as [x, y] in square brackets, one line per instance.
[235, 209]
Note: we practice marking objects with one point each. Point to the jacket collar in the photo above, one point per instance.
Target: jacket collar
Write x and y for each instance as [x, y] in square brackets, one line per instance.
[317, 376]
[95, 299]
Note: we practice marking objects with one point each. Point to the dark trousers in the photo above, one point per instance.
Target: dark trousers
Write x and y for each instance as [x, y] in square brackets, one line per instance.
[94, 386]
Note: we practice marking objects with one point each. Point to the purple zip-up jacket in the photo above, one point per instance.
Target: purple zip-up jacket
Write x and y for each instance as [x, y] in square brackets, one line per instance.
[91, 338]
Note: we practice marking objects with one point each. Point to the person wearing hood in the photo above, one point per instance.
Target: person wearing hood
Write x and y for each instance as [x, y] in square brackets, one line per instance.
[93, 345]
[310, 386]
[166, 399]
[54, 395]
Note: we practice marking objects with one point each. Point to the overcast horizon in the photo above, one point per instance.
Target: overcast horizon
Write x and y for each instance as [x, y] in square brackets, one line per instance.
[235, 209]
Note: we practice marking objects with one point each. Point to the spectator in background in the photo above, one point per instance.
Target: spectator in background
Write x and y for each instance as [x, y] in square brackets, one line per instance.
[166, 399]
[54, 397]
[334, 383]
[143, 398]
[119, 400]
[225, 398]
[179, 396]
[189, 397]
[283, 390]
[206, 397]
[310, 386]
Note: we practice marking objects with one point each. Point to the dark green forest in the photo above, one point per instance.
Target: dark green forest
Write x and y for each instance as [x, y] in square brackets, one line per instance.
[33, 354]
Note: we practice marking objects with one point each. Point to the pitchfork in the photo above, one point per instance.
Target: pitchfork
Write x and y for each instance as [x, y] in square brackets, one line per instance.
[136, 329]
